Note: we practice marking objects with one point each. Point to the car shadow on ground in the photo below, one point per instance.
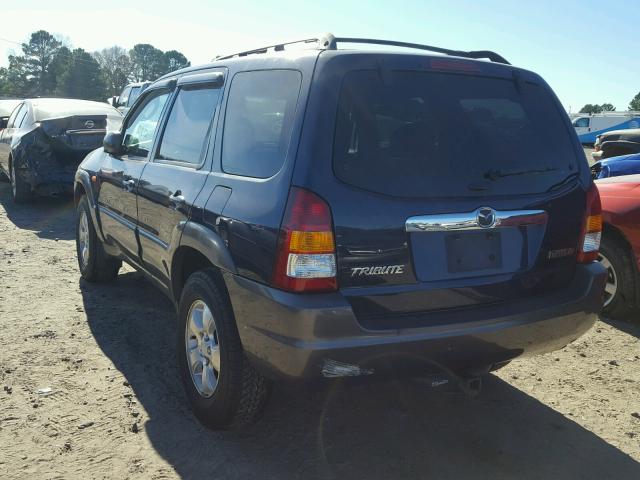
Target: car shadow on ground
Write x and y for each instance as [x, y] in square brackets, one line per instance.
[390, 429]
[631, 327]
[49, 217]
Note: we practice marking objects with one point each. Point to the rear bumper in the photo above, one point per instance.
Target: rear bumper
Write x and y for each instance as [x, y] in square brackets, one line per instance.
[305, 336]
[51, 182]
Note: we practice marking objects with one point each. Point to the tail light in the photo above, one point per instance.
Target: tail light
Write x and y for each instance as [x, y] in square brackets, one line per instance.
[591, 228]
[306, 257]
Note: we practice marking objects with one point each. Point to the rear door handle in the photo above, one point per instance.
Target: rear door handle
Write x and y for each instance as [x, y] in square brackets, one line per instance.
[129, 185]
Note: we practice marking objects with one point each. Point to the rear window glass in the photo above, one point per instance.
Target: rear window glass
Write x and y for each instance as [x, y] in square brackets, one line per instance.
[421, 134]
[258, 122]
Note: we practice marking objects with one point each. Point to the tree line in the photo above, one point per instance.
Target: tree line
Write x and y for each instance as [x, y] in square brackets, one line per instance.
[634, 104]
[46, 67]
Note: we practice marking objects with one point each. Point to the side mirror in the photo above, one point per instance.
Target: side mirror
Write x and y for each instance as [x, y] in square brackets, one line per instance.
[4, 122]
[112, 143]
[114, 101]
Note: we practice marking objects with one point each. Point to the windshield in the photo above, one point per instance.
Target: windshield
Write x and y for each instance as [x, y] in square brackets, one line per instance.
[422, 134]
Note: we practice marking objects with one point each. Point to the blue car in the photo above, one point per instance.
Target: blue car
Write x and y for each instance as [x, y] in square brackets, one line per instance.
[617, 166]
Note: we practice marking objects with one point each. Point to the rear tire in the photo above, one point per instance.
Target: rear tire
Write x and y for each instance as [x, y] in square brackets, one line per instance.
[620, 289]
[94, 263]
[20, 190]
[236, 394]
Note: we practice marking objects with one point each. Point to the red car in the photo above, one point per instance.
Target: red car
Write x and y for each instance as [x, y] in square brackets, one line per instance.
[620, 247]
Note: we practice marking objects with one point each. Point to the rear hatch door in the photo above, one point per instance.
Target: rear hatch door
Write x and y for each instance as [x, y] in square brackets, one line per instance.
[455, 185]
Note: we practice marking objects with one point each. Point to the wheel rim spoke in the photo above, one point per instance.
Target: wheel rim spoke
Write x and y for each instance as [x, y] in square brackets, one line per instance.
[208, 380]
[611, 287]
[194, 358]
[83, 238]
[195, 322]
[207, 321]
[215, 358]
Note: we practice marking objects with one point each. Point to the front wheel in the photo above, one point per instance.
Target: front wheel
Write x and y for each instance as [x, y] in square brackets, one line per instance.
[224, 390]
[95, 264]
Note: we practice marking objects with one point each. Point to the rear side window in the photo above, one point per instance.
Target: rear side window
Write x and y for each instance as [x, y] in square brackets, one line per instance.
[259, 120]
[188, 125]
[424, 134]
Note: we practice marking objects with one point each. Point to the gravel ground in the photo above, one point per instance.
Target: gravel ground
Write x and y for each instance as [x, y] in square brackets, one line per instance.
[116, 409]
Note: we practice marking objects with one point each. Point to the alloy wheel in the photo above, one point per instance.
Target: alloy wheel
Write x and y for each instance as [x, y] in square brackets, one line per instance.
[611, 286]
[202, 348]
[83, 238]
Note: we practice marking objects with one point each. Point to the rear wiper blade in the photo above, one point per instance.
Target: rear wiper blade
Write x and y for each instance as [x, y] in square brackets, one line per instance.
[563, 182]
[495, 174]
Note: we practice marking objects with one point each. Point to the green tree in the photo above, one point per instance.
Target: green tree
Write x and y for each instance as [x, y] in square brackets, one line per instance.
[116, 68]
[83, 78]
[607, 107]
[38, 53]
[16, 82]
[635, 103]
[3, 80]
[590, 108]
[60, 64]
[175, 60]
[148, 62]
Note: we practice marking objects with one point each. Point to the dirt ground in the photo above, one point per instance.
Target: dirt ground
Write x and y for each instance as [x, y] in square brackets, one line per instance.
[117, 410]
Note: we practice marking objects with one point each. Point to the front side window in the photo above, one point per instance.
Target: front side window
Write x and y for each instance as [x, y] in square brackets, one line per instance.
[259, 121]
[581, 122]
[188, 124]
[141, 128]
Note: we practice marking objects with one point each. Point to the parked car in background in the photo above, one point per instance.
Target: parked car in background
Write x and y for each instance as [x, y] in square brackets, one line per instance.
[588, 127]
[129, 95]
[323, 213]
[620, 248]
[6, 107]
[616, 143]
[46, 139]
[616, 166]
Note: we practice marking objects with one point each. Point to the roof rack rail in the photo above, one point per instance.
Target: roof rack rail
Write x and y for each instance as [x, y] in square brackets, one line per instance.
[276, 48]
[330, 42]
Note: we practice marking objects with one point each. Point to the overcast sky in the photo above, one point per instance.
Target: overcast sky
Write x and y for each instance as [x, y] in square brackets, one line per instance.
[587, 50]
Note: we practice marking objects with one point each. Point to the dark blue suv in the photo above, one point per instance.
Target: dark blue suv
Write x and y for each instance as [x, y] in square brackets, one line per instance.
[323, 212]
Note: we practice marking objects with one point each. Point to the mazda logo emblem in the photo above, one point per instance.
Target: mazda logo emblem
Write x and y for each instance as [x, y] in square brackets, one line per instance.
[486, 217]
[89, 124]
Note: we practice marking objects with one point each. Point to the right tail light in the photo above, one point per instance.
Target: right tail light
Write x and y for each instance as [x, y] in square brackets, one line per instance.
[591, 227]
